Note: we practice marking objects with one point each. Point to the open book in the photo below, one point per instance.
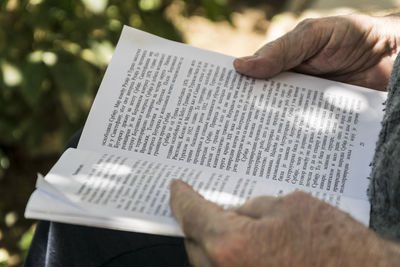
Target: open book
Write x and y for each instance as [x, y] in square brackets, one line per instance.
[166, 110]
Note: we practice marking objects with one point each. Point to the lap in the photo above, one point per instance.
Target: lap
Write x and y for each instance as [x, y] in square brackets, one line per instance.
[59, 244]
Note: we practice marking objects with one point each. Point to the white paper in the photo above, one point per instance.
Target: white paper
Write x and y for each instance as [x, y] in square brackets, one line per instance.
[116, 192]
[175, 105]
[314, 133]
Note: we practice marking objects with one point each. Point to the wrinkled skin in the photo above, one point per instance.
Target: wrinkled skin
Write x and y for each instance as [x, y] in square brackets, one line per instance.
[355, 49]
[297, 230]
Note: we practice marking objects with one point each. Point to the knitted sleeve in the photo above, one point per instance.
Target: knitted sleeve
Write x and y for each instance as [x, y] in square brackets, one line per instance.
[384, 189]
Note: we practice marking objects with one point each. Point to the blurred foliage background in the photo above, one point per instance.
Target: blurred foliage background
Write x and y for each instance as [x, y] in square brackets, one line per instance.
[52, 58]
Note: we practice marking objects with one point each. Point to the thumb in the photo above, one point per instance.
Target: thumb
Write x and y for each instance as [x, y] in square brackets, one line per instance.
[265, 63]
[284, 53]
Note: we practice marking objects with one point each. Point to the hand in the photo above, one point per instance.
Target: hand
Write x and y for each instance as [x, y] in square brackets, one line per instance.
[296, 230]
[355, 49]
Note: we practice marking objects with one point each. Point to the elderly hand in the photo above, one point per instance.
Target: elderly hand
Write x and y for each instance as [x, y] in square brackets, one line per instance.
[296, 230]
[356, 49]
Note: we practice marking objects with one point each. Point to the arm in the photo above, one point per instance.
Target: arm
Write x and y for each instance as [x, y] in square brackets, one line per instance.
[296, 230]
[356, 49]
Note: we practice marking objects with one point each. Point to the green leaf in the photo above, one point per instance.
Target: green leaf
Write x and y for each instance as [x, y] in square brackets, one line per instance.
[148, 5]
[73, 80]
[216, 10]
[31, 87]
[157, 24]
[25, 241]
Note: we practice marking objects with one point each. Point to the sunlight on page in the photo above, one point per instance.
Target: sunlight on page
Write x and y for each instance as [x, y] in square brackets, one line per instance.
[352, 101]
[222, 198]
[346, 94]
[312, 121]
[116, 168]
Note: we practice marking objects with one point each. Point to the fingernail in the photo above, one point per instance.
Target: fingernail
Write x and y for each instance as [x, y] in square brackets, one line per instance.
[249, 57]
[177, 183]
[240, 62]
[245, 59]
[174, 181]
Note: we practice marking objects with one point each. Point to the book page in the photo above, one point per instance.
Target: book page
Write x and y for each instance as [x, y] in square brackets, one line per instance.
[181, 104]
[44, 206]
[125, 193]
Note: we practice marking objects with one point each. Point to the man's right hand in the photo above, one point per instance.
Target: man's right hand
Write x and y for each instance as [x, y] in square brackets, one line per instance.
[356, 49]
[294, 230]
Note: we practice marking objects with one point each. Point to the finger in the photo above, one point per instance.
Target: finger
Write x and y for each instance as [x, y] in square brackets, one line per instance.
[197, 256]
[266, 63]
[259, 207]
[287, 51]
[194, 214]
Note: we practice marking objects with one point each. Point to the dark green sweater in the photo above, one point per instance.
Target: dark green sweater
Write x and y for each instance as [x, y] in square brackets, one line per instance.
[384, 189]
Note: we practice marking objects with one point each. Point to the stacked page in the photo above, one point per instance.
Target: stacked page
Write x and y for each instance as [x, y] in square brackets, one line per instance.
[166, 111]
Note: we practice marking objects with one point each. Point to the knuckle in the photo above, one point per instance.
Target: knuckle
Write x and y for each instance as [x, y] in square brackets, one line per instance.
[303, 204]
[312, 25]
[300, 195]
[307, 24]
[298, 201]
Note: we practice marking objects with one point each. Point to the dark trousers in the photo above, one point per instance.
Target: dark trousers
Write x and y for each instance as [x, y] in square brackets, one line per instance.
[59, 244]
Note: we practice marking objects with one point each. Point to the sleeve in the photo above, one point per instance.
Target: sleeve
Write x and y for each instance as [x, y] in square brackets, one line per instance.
[384, 189]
